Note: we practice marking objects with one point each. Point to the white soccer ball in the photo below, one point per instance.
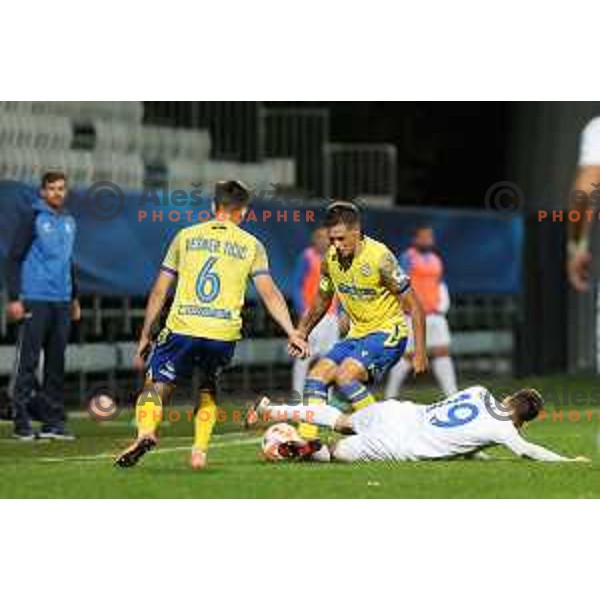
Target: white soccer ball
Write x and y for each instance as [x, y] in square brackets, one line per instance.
[275, 436]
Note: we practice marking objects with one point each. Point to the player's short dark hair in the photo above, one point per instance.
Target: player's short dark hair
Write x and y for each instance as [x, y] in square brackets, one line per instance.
[528, 402]
[52, 177]
[421, 227]
[344, 212]
[232, 194]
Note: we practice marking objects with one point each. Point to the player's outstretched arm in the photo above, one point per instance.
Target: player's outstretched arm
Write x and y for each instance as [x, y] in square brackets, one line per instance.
[320, 305]
[154, 306]
[275, 303]
[522, 447]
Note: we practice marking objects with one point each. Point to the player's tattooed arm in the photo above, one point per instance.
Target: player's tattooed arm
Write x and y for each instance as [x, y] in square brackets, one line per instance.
[321, 303]
[392, 276]
[398, 283]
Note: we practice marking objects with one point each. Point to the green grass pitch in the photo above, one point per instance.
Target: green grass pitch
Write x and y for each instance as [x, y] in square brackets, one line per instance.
[83, 469]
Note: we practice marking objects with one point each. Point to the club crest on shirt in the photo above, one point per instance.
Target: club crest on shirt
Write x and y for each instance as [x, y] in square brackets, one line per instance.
[365, 270]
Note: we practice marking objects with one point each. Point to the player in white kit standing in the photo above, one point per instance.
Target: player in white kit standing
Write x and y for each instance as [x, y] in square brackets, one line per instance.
[462, 424]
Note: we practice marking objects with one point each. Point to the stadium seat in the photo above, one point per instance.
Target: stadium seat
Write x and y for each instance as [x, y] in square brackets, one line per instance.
[260, 352]
[7, 360]
[130, 112]
[159, 144]
[37, 162]
[91, 358]
[259, 176]
[193, 144]
[126, 170]
[21, 106]
[80, 167]
[183, 172]
[117, 137]
[162, 144]
[282, 171]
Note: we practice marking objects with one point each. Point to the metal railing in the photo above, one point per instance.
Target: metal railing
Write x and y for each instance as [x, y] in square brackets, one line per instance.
[368, 171]
[235, 129]
[301, 134]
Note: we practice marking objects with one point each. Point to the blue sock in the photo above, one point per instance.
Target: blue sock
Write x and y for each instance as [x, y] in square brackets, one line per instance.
[315, 391]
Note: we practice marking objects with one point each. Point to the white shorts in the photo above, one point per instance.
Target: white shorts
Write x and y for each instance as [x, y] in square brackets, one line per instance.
[324, 336]
[383, 432]
[436, 330]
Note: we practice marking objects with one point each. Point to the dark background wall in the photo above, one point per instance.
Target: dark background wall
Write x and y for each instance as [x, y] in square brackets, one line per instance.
[448, 152]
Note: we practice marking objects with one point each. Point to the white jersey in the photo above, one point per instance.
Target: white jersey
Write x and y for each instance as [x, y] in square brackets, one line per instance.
[589, 149]
[461, 424]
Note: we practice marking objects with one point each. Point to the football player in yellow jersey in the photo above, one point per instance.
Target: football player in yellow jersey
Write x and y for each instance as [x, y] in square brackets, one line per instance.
[210, 264]
[375, 294]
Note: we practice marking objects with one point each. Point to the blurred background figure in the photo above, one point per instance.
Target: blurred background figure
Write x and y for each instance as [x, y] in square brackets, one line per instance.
[423, 264]
[43, 299]
[307, 276]
[587, 181]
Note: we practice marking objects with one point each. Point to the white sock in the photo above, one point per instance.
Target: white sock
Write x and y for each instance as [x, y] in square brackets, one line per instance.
[299, 374]
[317, 414]
[443, 369]
[396, 377]
[322, 455]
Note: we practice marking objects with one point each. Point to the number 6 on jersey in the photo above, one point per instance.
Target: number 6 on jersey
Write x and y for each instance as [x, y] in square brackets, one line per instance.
[208, 284]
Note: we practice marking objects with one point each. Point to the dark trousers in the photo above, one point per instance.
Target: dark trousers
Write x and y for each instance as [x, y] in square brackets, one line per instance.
[46, 327]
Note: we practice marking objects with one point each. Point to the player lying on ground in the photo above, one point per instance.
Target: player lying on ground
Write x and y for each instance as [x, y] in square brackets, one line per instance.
[375, 294]
[210, 264]
[462, 424]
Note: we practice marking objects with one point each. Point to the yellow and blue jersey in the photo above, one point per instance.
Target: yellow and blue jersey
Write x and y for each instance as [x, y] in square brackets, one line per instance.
[370, 306]
[213, 262]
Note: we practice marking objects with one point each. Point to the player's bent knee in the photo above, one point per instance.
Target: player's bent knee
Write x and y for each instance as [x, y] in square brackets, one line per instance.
[324, 371]
[347, 374]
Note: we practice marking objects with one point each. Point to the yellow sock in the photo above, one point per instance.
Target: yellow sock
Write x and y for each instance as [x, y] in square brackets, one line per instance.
[357, 394]
[315, 392]
[370, 399]
[148, 412]
[205, 420]
[309, 431]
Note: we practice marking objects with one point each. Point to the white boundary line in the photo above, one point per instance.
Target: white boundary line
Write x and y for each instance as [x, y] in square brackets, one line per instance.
[100, 457]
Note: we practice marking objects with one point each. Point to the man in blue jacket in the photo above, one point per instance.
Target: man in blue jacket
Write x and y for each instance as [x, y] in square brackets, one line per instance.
[43, 299]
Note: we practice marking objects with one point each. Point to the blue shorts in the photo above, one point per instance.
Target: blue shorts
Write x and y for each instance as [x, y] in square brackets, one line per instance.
[174, 356]
[377, 352]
